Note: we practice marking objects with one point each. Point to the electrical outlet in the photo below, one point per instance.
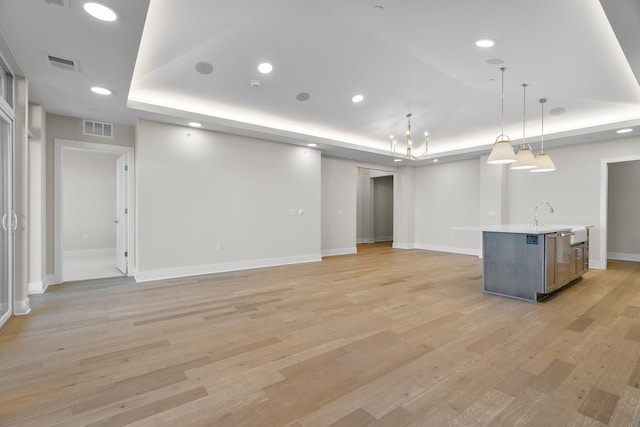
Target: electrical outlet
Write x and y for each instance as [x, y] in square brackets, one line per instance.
[219, 247]
[85, 237]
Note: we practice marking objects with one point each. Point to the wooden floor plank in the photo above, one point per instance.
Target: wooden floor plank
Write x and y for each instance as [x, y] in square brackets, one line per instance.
[385, 337]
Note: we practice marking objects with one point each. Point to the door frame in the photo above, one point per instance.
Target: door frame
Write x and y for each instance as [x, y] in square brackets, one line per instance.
[604, 204]
[60, 145]
[9, 197]
[122, 209]
[380, 173]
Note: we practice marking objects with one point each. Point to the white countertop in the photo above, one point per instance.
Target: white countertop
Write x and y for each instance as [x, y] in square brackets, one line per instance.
[522, 228]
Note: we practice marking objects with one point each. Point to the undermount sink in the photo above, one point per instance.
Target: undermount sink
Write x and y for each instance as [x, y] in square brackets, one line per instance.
[578, 235]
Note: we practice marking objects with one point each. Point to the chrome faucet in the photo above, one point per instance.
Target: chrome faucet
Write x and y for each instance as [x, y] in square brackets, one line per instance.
[535, 215]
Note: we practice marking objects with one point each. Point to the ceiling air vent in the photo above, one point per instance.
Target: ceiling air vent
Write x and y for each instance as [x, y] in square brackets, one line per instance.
[56, 2]
[62, 63]
[91, 127]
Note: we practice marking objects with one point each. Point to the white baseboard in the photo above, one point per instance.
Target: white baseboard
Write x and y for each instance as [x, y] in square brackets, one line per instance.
[341, 251]
[366, 240]
[449, 249]
[48, 280]
[20, 308]
[90, 252]
[41, 287]
[597, 265]
[621, 256]
[35, 288]
[198, 270]
[398, 245]
[438, 248]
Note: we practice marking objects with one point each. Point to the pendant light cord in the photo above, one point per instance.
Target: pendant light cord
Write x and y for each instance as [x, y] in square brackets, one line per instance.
[524, 106]
[502, 103]
[542, 101]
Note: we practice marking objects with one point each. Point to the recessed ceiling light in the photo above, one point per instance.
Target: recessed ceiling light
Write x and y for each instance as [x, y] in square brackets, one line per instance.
[265, 68]
[100, 11]
[100, 90]
[435, 160]
[312, 145]
[485, 43]
[397, 160]
[357, 98]
[195, 124]
[625, 130]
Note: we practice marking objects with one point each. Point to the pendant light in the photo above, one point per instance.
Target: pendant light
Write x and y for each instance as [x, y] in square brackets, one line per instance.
[543, 160]
[524, 158]
[502, 151]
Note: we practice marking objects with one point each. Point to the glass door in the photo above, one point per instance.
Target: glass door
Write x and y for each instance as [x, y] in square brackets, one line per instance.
[8, 219]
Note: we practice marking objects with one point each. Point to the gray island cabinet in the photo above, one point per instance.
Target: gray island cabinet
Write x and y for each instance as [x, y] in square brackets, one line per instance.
[529, 263]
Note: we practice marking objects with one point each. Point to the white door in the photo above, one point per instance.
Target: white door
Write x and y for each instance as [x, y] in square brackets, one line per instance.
[9, 220]
[121, 214]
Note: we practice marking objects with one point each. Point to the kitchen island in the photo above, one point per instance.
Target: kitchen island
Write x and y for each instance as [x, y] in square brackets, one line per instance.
[527, 262]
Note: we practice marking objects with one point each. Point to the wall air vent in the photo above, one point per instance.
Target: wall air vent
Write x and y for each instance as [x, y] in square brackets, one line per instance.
[94, 128]
[63, 63]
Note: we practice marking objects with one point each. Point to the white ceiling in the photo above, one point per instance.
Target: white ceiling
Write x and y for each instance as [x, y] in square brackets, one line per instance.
[411, 57]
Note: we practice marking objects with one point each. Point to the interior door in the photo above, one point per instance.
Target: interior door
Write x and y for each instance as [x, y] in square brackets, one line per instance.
[121, 214]
[8, 219]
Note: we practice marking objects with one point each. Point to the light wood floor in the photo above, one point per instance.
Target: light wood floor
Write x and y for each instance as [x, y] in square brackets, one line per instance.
[383, 338]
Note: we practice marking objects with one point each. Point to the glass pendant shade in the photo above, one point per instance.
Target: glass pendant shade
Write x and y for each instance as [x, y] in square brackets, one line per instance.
[524, 159]
[544, 162]
[502, 152]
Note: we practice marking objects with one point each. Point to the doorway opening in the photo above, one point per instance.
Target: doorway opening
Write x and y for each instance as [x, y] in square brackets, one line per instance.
[374, 207]
[623, 211]
[605, 211]
[93, 233]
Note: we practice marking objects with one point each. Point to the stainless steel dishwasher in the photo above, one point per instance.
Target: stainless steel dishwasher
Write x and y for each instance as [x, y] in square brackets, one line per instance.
[558, 247]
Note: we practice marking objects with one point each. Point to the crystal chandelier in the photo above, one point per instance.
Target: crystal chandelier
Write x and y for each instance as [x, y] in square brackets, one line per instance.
[409, 152]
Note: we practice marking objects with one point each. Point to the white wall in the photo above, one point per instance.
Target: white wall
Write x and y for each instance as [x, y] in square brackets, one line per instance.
[37, 199]
[447, 195]
[339, 182]
[89, 201]
[404, 208]
[573, 189]
[198, 189]
[466, 192]
[624, 211]
[364, 214]
[195, 192]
